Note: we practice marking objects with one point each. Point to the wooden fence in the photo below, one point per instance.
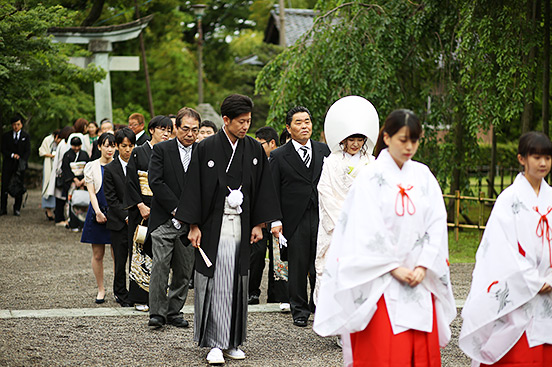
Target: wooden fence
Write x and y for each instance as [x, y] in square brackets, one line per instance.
[457, 198]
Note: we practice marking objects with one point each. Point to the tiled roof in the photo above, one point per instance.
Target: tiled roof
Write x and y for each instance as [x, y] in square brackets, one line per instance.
[297, 22]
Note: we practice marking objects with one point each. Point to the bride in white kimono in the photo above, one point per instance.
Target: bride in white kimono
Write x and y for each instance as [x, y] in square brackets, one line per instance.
[508, 312]
[386, 280]
[351, 129]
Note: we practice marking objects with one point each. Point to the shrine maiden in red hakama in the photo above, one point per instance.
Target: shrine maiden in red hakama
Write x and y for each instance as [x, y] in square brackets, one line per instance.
[512, 264]
[392, 217]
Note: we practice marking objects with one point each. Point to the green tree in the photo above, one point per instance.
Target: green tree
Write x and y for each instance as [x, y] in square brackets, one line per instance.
[36, 80]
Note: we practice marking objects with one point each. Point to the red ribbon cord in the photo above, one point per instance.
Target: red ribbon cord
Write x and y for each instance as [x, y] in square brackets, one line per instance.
[543, 230]
[404, 195]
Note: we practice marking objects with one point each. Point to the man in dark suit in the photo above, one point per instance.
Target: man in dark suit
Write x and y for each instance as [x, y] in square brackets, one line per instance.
[277, 289]
[117, 216]
[16, 149]
[171, 248]
[136, 123]
[296, 169]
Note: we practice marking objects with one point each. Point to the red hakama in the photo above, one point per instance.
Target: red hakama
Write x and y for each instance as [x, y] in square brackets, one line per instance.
[521, 355]
[378, 346]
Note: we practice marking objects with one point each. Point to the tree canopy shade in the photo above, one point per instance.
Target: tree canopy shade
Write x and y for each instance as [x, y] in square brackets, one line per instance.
[460, 65]
[36, 80]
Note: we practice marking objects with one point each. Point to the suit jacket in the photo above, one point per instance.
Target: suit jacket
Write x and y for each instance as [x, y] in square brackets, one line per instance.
[9, 147]
[166, 178]
[294, 185]
[114, 190]
[145, 137]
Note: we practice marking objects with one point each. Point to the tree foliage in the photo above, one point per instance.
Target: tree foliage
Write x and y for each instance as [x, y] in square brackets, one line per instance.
[460, 65]
[35, 79]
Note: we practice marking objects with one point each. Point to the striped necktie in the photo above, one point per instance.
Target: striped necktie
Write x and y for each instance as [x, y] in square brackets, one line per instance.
[306, 156]
[186, 159]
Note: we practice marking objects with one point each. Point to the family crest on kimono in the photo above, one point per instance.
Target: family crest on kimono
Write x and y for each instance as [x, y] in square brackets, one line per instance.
[228, 198]
[508, 312]
[386, 285]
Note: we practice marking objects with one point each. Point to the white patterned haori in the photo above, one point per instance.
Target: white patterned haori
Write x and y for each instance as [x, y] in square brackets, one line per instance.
[512, 264]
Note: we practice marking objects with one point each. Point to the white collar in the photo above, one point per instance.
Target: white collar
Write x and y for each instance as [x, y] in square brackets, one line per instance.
[298, 145]
[123, 163]
[140, 134]
[149, 142]
[233, 145]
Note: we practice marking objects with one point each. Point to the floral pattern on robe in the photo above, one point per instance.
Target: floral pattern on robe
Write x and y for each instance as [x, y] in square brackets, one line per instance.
[380, 229]
[512, 264]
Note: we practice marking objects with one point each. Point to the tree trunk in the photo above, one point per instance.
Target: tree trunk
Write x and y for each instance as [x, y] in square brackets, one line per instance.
[145, 64]
[546, 70]
[529, 94]
[95, 13]
[458, 163]
[490, 191]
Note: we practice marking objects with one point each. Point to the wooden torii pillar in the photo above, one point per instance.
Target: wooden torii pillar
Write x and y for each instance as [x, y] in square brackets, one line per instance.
[99, 41]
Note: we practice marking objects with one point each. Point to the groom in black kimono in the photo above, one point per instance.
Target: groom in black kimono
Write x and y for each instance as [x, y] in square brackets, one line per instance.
[228, 198]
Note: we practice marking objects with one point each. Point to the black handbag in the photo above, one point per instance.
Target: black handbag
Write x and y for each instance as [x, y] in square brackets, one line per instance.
[16, 186]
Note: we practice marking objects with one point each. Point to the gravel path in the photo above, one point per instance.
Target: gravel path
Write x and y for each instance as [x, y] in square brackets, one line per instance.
[46, 267]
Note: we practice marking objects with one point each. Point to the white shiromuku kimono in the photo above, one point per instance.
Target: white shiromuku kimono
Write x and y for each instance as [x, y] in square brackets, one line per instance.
[391, 217]
[338, 173]
[512, 264]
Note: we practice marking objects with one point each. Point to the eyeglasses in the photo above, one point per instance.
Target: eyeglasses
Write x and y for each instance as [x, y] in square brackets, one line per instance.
[186, 129]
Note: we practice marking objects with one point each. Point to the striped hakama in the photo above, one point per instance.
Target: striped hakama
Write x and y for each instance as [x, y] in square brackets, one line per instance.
[220, 317]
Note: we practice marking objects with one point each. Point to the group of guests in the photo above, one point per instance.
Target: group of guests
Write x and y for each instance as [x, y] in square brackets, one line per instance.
[356, 221]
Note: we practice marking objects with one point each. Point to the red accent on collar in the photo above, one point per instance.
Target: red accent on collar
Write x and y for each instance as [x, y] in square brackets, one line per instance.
[403, 194]
[543, 230]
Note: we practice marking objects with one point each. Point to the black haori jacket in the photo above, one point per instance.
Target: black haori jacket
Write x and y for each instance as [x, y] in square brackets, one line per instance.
[202, 201]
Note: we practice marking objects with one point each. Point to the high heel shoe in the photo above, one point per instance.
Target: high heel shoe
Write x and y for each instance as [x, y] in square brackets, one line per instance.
[99, 300]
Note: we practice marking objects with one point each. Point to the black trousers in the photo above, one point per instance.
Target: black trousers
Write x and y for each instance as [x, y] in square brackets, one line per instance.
[301, 255]
[119, 243]
[6, 177]
[257, 264]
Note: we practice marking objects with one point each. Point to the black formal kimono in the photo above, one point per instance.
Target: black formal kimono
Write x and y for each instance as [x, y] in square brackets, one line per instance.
[140, 254]
[142, 139]
[67, 173]
[203, 203]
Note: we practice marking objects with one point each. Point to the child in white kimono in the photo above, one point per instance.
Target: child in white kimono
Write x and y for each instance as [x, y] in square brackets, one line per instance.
[508, 313]
[386, 280]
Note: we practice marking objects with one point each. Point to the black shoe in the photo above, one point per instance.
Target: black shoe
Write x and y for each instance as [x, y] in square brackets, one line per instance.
[99, 300]
[178, 322]
[156, 322]
[17, 213]
[253, 300]
[300, 321]
[125, 304]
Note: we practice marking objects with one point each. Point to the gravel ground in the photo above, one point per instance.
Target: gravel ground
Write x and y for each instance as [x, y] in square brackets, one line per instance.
[46, 267]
